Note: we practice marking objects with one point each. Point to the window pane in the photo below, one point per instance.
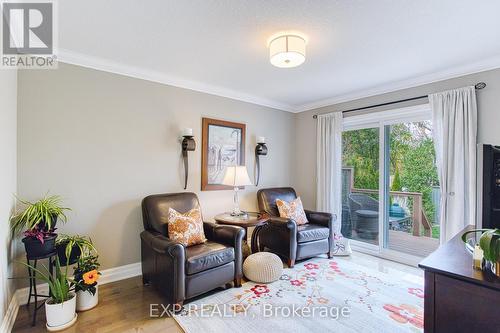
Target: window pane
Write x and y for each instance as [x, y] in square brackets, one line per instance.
[413, 189]
[360, 183]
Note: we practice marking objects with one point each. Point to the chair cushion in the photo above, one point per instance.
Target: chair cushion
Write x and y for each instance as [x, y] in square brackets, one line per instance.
[311, 232]
[207, 255]
[186, 228]
[292, 210]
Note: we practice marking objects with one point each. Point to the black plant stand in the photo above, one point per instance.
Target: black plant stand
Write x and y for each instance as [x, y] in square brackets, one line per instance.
[32, 277]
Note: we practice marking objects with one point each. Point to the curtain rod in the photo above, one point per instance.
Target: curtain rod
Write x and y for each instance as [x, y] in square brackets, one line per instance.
[478, 86]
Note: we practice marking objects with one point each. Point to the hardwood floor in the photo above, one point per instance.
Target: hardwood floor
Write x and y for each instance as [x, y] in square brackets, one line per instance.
[124, 305]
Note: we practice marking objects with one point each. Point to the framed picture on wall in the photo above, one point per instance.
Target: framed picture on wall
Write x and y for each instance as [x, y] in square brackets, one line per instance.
[223, 145]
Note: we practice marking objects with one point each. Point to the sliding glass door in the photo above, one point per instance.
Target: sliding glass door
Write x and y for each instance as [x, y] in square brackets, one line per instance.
[390, 191]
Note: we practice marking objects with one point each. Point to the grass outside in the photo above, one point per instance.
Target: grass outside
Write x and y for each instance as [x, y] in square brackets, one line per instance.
[435, 231]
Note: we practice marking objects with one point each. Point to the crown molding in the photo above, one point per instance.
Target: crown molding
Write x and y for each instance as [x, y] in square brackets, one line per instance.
[480, 66]
[106, 65]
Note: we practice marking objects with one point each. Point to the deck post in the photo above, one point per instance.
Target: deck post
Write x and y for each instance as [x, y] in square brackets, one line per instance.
[417, 215]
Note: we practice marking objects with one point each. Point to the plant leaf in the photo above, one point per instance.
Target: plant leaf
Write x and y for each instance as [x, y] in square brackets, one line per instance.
[485, 242]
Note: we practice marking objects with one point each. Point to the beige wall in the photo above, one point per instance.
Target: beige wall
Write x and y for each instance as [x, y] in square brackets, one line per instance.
[104, 141]
[8, 169]
[305, 126]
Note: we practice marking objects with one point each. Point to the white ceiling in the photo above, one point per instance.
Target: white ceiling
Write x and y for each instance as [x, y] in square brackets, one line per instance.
[356, 48]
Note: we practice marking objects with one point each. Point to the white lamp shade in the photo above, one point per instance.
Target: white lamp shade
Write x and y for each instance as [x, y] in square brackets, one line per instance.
[287, 51]
[236, 176]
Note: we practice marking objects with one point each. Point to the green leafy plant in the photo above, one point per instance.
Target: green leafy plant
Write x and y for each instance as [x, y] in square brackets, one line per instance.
[86, 274]
[83, 243]
[40, 215]
[489, 242]
[396, 182]
[59, 285]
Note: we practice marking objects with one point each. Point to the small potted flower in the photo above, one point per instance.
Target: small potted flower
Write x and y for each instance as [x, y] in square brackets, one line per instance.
[37, 222]
[60, 307]
[85, 279]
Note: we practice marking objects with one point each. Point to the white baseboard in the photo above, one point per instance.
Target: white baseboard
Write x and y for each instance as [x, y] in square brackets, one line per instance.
[120, 273]
[107, 276]
[20, 297]
[10, 316]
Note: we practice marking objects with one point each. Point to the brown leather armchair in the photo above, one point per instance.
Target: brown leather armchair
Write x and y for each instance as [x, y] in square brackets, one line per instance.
[285, 238]
[180, 272]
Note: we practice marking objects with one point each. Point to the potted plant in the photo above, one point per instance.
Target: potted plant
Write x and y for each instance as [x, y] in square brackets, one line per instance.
[85, 278]
[71, 248]
[489, 242]
[60, 307]
[37, 222]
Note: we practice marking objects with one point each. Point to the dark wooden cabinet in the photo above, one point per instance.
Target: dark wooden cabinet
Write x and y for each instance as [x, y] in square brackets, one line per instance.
[459, 298]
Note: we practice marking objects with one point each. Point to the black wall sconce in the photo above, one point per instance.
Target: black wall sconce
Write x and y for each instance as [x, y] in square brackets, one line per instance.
[188, 144]
[260, 150]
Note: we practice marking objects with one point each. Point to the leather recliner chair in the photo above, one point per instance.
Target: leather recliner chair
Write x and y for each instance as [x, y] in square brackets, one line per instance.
[287, 239]
[179, 272]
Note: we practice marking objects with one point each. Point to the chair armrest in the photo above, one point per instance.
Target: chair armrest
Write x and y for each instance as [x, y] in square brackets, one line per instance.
[283, 223]
[230, 235]
[163, 245]
[324, 219]
[227, 234]
[280, 235]
[163, 262]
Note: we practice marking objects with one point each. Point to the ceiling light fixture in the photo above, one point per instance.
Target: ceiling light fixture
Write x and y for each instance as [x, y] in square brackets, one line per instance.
[287, 49]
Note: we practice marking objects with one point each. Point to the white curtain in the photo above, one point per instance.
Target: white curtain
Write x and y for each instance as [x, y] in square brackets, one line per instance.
[329, 166]
[454, 116]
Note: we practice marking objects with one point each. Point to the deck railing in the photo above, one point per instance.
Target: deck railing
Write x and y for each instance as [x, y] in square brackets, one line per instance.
[419, 219]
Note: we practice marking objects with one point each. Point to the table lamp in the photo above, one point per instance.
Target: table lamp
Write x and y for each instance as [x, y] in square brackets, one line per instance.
[236, 176]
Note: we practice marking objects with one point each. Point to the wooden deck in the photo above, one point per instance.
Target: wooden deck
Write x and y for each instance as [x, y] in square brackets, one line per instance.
[418, 246]
[407, 243]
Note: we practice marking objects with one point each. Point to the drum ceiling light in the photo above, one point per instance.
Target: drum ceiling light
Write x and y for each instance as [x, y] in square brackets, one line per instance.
[287, 50]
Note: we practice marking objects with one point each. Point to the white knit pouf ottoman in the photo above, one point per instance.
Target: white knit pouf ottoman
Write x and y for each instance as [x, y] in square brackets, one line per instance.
[263, 267]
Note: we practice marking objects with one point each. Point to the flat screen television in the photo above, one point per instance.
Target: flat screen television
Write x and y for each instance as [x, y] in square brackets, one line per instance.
[489, 187]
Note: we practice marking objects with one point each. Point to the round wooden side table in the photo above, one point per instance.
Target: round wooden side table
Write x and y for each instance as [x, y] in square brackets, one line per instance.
[250, 220]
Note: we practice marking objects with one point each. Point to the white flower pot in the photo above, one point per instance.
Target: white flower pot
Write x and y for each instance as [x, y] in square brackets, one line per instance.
[85, 300]
[60, 315]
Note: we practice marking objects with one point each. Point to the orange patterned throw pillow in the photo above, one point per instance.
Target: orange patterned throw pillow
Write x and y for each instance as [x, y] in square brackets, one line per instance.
[186, 228]
[292, 210]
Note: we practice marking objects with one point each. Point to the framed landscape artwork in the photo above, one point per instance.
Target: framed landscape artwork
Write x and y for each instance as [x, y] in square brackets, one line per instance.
[223, 145]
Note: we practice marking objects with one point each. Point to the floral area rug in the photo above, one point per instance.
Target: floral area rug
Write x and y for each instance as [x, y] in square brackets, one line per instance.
[319, 295]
